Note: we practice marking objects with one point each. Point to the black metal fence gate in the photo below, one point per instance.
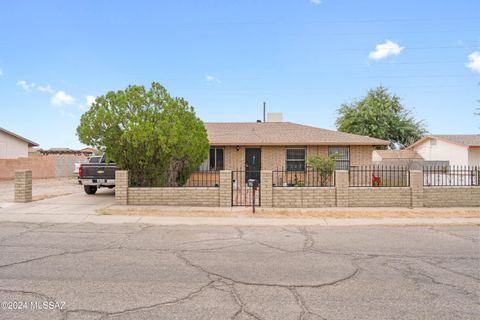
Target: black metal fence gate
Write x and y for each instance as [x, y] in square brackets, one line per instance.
[242, 193]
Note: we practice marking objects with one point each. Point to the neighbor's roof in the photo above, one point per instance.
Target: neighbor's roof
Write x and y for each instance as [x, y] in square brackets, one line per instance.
[398, 154]
[466, 140]
[281, 134]
[30, 143]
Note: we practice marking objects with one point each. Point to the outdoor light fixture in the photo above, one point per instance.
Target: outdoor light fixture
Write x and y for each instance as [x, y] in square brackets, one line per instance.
[238, 148]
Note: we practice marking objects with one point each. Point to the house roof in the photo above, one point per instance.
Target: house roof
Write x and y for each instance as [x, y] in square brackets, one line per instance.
[466, 140]
[398, 154]
[30, 143]
[281, 134]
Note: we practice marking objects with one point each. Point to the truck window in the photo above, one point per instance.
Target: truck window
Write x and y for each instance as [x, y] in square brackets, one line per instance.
[94, 160]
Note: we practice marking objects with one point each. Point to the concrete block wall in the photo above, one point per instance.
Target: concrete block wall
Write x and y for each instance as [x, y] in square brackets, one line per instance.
[225, 192]
[379, 197]
[451, 197]
[65, 164]
[198, 197]
[23, 186]
[266, 190]
[416, 185]
[121, 187]
[342, 195]
[342, 186]
[303, 197]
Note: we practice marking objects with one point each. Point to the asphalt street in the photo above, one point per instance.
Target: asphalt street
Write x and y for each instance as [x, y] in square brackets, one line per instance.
[135, 271]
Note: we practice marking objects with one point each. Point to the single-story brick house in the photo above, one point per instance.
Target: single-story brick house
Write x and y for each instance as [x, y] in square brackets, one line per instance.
[254, 146]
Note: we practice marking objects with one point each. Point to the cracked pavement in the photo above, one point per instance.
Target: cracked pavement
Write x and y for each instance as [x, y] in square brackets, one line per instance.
[135, 271]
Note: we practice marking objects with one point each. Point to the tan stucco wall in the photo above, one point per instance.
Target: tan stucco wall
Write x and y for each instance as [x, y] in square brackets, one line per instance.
[273, 157]
[11, 147]
[443, 151]
[474, 157]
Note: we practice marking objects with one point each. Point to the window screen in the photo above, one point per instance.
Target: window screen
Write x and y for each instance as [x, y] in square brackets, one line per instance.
[342, 157]
[295, 159]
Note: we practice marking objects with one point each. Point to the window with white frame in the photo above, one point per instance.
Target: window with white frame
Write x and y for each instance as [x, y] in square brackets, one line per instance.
[215, 160]
[342, 157]
[295, 159]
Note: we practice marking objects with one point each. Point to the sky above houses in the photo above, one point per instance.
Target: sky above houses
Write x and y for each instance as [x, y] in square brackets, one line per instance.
[302, 57]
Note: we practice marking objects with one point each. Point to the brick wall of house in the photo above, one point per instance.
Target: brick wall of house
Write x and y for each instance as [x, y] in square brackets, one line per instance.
[199, 197]
[273, 157]
[361, 155]
[317, 151]
[451, 196]
[234, 160]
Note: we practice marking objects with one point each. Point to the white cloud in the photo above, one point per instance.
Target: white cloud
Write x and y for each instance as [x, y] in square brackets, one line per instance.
[46, 88]
[61, 97]
[474, 63]
[90, 100]
[25, 85]
[1, 72]
[386, 49]
[211, 78]
[316, 2]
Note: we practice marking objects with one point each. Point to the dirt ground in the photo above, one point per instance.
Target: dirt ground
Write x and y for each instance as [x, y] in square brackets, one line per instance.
[42, 188]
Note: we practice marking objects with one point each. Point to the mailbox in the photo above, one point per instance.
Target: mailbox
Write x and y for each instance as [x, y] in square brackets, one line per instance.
[253, 183]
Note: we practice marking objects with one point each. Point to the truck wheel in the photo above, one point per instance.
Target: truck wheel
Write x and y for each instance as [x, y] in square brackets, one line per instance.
[90, 189]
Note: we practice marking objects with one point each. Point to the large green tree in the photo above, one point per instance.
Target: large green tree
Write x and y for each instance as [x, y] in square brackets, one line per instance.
[380, 114]
[157, 137]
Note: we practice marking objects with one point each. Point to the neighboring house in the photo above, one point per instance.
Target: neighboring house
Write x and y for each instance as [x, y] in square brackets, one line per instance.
[254, 146]
[459, 149]
[67, 151]
[13, 146]
[405, 158]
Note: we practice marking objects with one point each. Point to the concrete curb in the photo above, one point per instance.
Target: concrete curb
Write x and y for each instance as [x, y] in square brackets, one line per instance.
[238, 221]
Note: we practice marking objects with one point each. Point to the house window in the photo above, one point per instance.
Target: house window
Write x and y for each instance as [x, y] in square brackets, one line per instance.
[214, 162]
[295, 159]
[342, 157]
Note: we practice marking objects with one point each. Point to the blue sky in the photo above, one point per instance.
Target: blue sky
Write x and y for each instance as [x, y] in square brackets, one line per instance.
[303, 57]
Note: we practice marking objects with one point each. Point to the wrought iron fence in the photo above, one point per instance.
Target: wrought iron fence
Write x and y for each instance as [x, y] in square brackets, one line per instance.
[242, 192]
[174, 179]
[451, 176]
[379, 176]
[306, 178]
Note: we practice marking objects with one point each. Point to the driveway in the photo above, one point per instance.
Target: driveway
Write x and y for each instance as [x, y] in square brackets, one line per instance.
[136, 271]
[55, 196]
[41, 188]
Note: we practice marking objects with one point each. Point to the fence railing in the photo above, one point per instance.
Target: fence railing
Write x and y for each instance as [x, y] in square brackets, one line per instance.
[307, 178]
[379, 176]
[451, 176]
[174, 179]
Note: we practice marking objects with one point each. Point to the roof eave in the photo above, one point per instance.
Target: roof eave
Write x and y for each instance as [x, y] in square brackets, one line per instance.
[307, 143]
